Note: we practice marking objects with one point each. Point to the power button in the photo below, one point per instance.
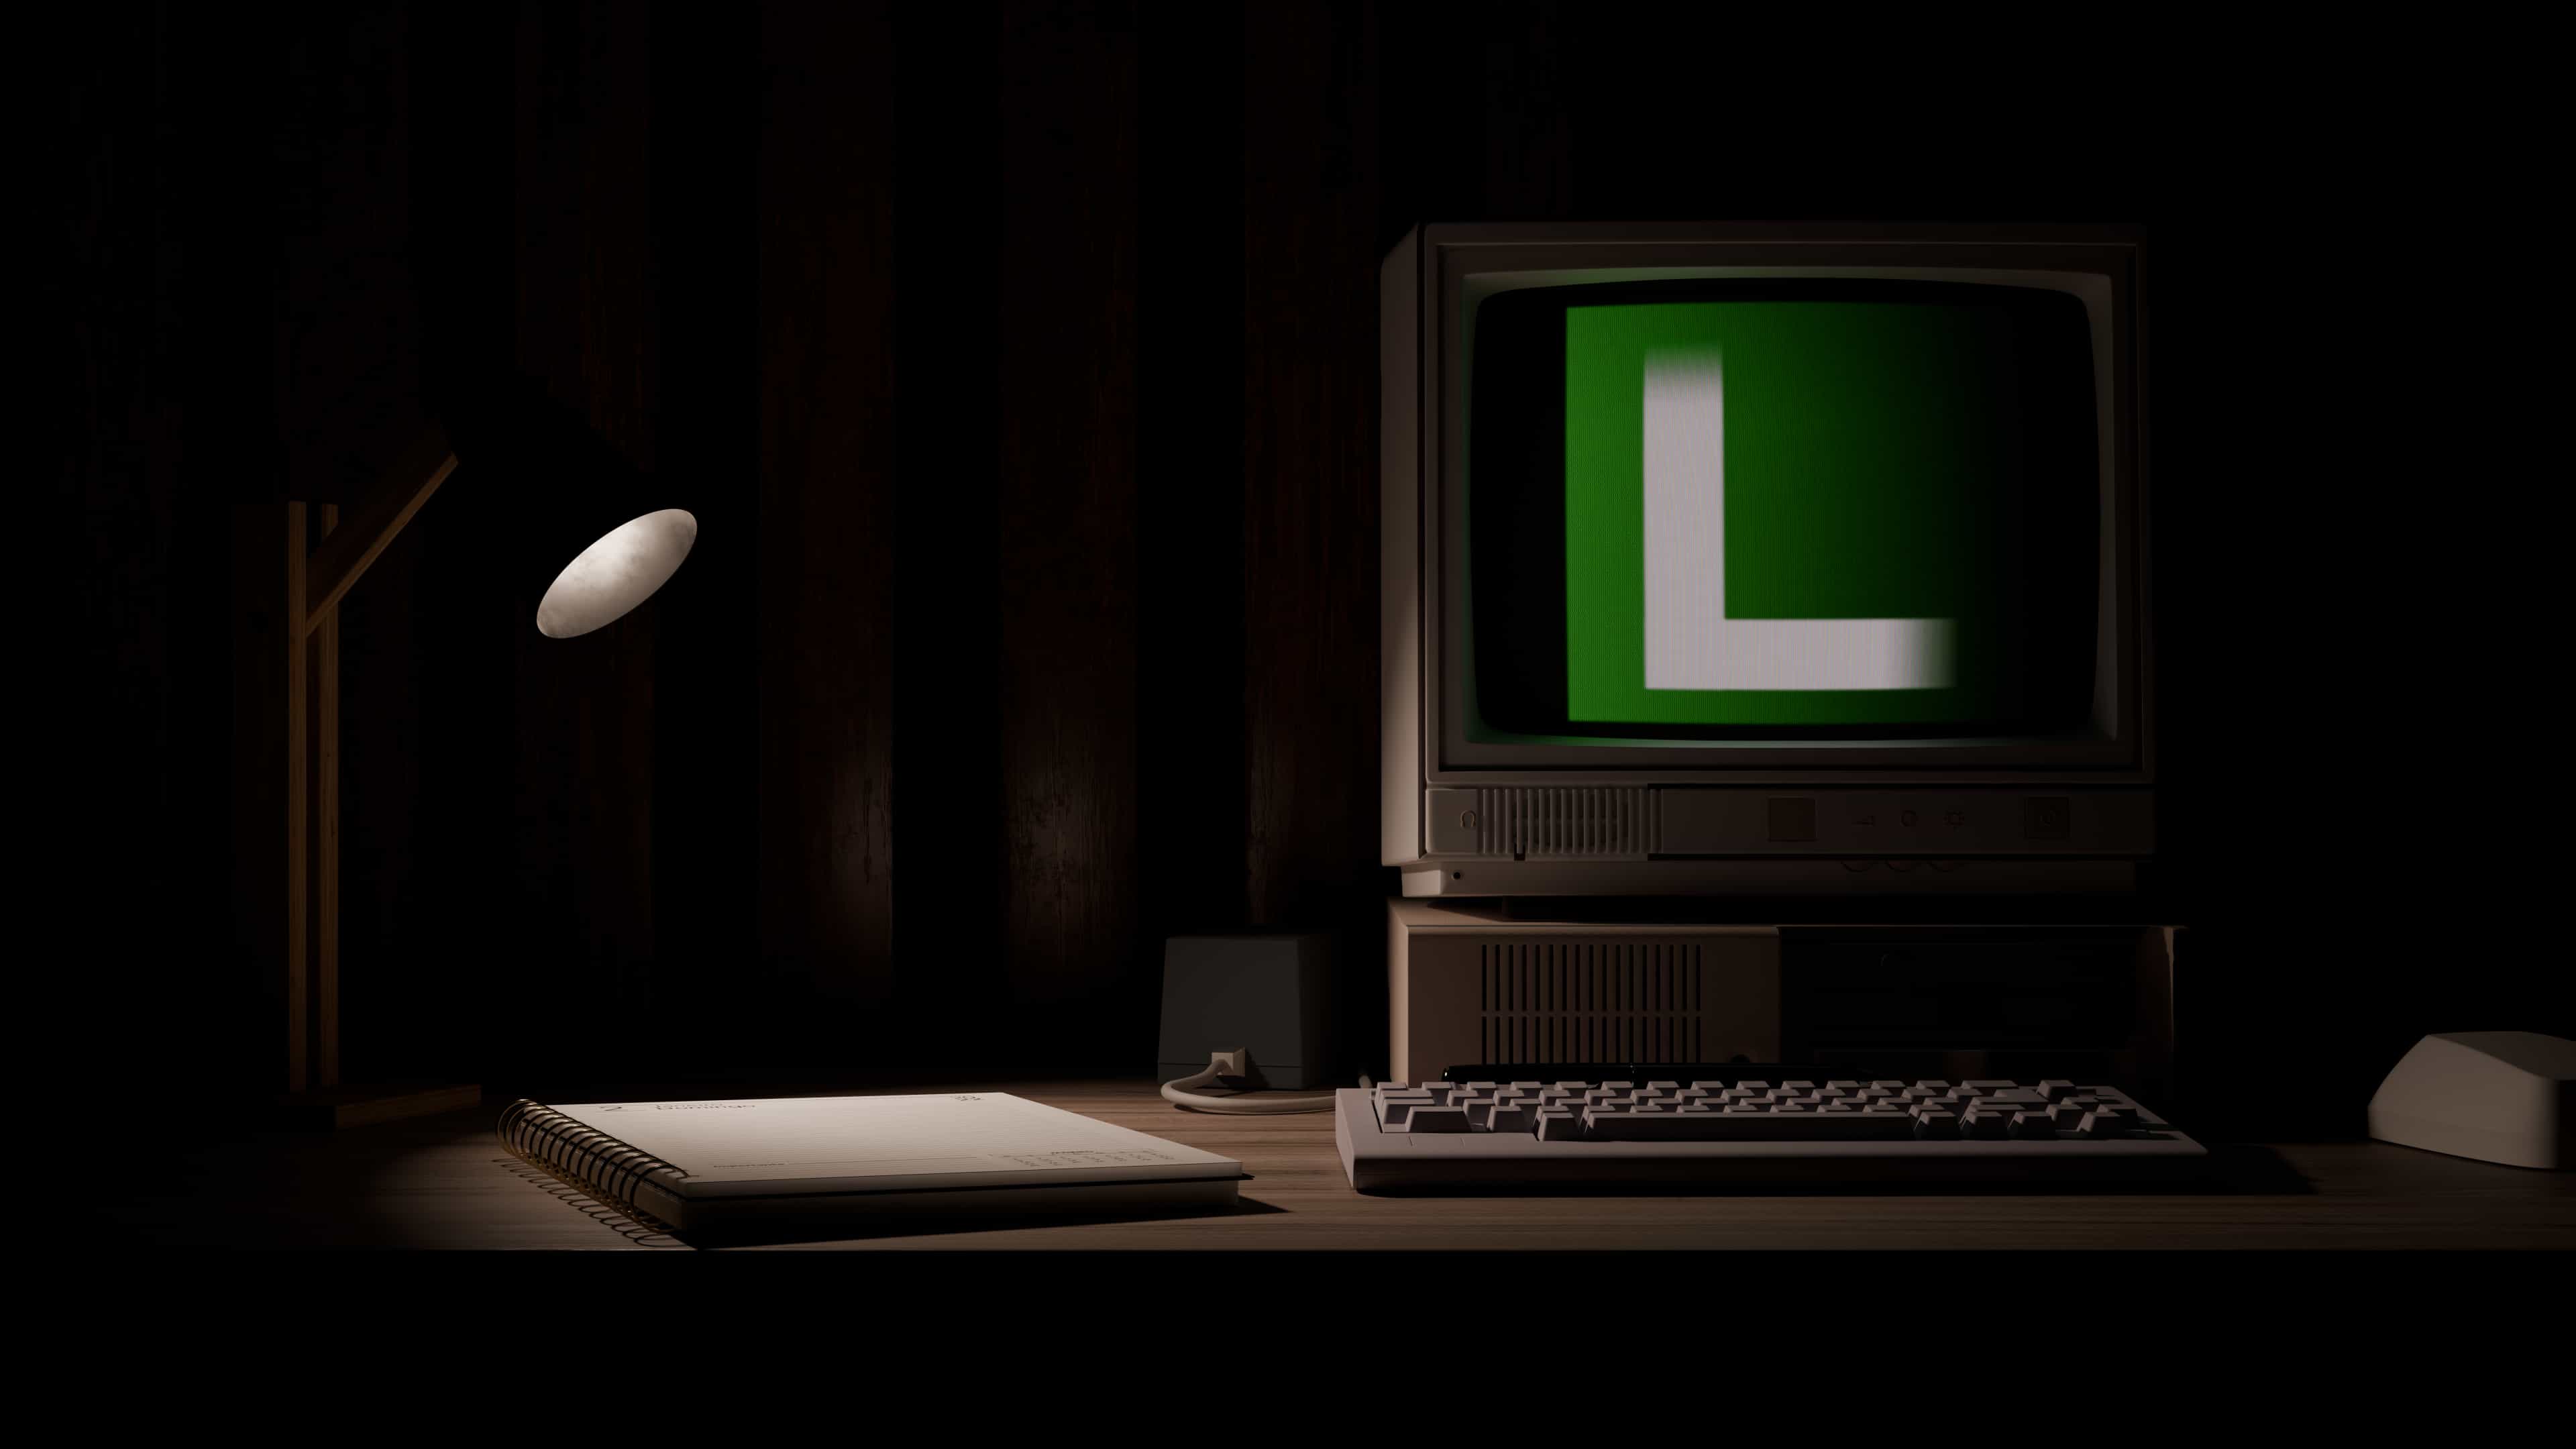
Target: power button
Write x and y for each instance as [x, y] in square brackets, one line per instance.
[2044, 817]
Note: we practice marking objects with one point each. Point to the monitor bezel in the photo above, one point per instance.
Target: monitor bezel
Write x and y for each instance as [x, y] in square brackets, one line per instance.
[1464, 266]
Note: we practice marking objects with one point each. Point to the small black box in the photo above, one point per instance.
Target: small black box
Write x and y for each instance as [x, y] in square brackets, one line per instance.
[1269, 995]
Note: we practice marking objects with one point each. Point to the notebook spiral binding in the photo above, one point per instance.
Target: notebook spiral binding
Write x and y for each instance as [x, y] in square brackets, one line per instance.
[589, 1158]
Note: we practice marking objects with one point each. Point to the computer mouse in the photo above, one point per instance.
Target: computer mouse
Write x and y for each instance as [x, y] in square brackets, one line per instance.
[2498, 1096]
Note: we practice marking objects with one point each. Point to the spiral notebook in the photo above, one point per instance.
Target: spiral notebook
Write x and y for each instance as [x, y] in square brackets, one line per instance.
[701, 1165]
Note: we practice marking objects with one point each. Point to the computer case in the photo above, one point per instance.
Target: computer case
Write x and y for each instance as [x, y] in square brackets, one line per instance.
[1477, 983]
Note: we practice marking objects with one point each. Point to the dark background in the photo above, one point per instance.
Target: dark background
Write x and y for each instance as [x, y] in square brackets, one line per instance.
[1019, 364]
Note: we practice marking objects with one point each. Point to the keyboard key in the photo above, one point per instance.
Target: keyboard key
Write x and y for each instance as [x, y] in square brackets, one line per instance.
[1393, 1111]
[1438, 1119]
[2056, 1087]
[1936, 1084]
[2033, 1127]
[1512, 1119]
[1617, 1126]
[1558, 1125]
[2106, 1122]
[1986, 1124]
[1936, 1126]
[1745, 1127]
[1826, 1127]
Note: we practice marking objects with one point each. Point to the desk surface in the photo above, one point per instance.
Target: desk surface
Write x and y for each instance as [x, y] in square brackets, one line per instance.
[443, 1182]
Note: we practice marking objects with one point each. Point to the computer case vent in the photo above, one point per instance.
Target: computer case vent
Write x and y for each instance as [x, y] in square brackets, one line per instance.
[1572, 822]
[1471, 984]
[1591, 1002]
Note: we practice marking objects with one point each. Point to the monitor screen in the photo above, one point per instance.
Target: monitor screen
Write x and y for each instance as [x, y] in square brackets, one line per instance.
[1725, 510]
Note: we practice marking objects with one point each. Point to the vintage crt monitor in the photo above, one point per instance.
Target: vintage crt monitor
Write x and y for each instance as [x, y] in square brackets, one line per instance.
[1764, 558]
[1798, 563]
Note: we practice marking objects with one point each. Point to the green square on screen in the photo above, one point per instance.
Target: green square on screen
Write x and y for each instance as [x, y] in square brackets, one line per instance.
[1860, 462]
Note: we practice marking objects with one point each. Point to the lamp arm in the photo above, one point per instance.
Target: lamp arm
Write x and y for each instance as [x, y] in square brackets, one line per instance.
[348, 550]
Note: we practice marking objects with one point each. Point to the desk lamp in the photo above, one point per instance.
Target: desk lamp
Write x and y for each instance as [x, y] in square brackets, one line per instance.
[594, 532]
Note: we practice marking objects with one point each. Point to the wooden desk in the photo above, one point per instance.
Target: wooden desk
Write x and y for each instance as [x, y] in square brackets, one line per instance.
[443, 1182]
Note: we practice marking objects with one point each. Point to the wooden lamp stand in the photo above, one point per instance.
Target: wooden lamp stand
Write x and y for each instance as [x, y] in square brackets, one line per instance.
[286, 706]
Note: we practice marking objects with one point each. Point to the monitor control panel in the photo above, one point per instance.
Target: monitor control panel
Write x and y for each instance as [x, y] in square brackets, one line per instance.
[1635, 822]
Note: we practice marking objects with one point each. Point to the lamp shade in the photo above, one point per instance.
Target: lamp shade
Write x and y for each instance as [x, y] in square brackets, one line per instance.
[590, 535]
[619, 570]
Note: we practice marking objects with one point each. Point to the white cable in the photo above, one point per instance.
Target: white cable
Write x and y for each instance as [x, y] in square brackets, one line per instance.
[1179, 1094]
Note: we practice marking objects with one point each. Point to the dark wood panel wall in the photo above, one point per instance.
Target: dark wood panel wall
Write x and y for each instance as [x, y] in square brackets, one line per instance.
[1309, 460]
[1018, 360]
[1066, 349]
[1019, 363]
[588, 273]
[980, 779]
[827, 505]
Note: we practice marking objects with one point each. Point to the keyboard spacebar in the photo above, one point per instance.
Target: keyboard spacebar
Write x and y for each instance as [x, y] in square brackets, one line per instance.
[1749, 1127]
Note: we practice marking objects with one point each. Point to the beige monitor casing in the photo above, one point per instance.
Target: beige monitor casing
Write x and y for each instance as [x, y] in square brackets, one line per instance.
[1467, 816]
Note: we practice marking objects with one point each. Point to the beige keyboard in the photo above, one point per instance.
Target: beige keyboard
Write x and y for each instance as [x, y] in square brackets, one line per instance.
[1483, 1133]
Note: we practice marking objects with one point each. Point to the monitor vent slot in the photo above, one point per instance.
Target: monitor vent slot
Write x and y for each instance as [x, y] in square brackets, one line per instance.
[1582, 1001]
[1567, 822]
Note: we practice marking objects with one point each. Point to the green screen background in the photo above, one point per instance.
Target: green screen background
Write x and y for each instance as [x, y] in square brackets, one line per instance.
[1872, 471]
